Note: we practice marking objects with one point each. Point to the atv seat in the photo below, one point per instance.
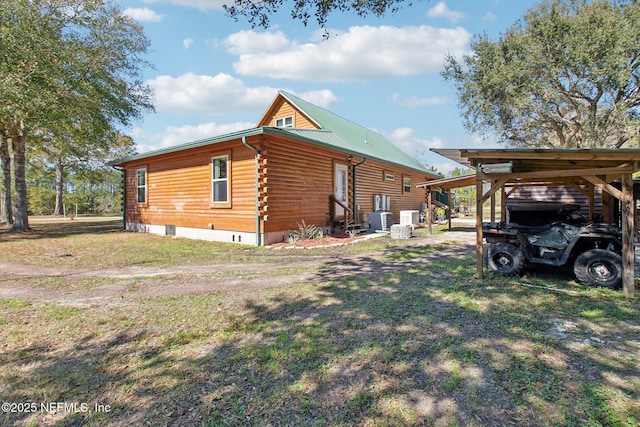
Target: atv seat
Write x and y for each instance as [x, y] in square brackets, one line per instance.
[530, 229]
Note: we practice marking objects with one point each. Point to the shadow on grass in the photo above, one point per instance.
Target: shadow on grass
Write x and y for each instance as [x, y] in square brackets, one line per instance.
[460, 228]
[408, 337]
[62, 228]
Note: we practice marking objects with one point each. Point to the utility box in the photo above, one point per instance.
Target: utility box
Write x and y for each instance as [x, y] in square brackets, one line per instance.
[379, 220]
[401, 231]
[409, 218]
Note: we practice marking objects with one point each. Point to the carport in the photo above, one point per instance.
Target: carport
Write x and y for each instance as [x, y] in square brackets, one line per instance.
[583, 169]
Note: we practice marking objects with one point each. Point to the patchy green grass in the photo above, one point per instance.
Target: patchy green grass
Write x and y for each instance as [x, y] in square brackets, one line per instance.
[422, 342]
[74, 244]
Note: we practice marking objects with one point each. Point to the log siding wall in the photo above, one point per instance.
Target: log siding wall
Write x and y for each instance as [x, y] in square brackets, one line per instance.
[179, 189]
[556, 194]
[370, 180]
[299, 183]
[301, 179]
[296, 181]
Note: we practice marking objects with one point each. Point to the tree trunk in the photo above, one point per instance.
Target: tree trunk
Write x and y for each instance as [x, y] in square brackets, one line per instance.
[59, 210]
[18, 144]
[6, 207]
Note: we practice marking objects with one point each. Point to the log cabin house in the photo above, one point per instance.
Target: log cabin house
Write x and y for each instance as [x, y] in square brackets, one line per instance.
[300, 163]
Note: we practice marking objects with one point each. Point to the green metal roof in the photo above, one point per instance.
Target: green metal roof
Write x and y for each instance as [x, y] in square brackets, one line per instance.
[189, 145]
[337, 133]
[355, 138]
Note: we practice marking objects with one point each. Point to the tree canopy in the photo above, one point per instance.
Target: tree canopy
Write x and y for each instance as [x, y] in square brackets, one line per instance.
[567, 75]
[67, 68]
[258, 13]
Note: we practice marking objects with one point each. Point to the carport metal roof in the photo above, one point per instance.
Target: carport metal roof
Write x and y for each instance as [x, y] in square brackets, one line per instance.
[534, 159]
[596, 167]
[449, 183]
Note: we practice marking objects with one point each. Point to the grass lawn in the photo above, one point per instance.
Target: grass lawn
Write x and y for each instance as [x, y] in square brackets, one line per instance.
[405, 335]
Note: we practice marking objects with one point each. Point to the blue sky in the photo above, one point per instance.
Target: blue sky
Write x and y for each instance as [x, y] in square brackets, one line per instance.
[214, 75]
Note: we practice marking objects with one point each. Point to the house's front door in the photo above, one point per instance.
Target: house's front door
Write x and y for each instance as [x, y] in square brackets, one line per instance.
[341, 187]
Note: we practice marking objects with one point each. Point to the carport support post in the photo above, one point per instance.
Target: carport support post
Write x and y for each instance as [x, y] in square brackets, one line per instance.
[479, 198]
[430, 210]
[503, 204]
[628, 250]
[493, 207]
[450, 205]
[606, 207]
[592, 201]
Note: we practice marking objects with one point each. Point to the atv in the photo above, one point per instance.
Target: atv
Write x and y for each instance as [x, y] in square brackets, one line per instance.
[594, 250]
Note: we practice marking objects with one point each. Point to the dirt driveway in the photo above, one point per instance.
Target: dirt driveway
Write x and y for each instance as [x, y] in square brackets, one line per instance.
[87, 286]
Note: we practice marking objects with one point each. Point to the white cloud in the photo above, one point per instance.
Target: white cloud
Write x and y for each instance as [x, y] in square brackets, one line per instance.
[362, 53]
[186, 43]
[405, 139]
[413, 101]
[490, 17]
[249, 42]
[483, 141]
[202, 94]
[198, 4]
[220, 94]
[321, 98]
[175, 135]
[142, 14]
[441, 10]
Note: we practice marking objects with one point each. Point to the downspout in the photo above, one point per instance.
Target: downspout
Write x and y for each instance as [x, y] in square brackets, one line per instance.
[124, 196]
[355, 206]
[257, 156]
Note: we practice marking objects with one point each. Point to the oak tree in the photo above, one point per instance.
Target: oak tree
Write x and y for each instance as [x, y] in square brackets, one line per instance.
[62, 152]
[72, 62]
[567, 75]
[258, 13]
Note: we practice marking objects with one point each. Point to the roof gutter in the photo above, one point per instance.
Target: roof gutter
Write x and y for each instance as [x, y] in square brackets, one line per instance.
[257, 157]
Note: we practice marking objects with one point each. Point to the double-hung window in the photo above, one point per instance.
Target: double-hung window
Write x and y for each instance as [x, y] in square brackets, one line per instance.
[220, 181]
[406, 184]
[141, 186]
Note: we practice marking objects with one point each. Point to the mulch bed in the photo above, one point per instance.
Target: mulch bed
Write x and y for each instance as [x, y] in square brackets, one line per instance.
[328, 240]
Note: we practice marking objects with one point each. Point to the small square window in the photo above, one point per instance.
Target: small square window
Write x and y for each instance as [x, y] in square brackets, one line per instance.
[285, 122]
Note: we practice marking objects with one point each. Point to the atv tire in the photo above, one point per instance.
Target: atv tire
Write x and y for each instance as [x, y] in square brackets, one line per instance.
[599, 267]
[505, 259]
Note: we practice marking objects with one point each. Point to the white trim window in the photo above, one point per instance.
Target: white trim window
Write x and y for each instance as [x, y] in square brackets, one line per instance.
[141, 186]
[285, 122]
[220, 180]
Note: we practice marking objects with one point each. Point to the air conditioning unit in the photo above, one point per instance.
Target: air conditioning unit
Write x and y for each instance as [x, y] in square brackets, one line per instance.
[409, 218]
[380, 220]
[381, 203]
